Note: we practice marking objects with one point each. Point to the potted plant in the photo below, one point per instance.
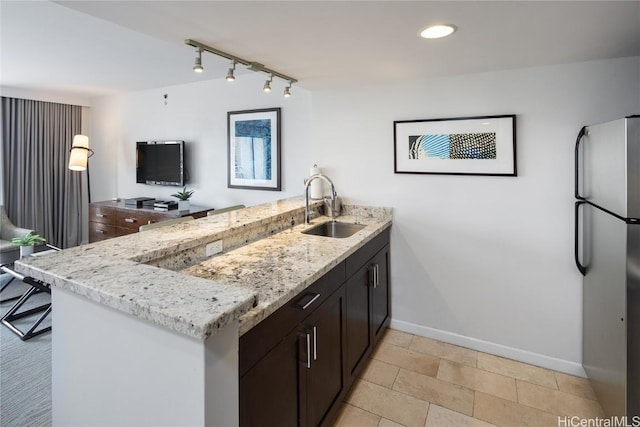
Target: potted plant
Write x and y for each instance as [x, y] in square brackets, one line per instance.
[27, 243]
[183, 198]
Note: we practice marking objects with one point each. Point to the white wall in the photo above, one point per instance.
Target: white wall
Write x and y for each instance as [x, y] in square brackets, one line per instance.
[485, 262]
[197, 114]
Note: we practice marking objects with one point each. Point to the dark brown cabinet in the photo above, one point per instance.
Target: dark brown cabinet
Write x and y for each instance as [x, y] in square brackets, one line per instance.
[113, 219]
[298, 381]
[269, 390]
[297, 365]
[368, 302]
[322, 380]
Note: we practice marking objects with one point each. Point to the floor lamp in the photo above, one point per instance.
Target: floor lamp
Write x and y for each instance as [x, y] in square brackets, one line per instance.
[79, 158]
[79, 161]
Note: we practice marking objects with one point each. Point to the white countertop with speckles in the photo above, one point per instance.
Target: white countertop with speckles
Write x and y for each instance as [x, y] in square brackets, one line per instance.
[247, 283]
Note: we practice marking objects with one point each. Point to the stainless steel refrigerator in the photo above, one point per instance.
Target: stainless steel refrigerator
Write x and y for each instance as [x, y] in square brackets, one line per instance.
[607, 252]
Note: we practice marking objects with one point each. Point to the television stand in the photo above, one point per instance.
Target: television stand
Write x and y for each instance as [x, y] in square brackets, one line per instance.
[110, 218]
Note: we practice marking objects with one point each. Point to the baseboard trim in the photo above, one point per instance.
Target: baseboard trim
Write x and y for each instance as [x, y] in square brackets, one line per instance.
[561, 365]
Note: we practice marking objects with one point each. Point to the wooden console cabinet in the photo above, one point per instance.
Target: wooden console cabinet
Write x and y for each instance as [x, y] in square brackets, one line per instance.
[112, 219]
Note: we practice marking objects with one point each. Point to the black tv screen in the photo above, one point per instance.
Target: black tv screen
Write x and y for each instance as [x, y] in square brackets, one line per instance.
[160, 162]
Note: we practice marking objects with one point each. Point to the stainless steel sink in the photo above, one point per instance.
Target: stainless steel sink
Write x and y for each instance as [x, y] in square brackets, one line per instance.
[334, 229]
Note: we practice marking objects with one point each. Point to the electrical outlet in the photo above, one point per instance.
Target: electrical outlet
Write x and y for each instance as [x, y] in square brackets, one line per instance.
[213, 248]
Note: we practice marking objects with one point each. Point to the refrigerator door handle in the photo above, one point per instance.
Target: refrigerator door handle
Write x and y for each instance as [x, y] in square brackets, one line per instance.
[582, 133]
[581, 268]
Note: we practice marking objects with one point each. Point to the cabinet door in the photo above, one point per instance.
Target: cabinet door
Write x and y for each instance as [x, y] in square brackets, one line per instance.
[324, 381]
[380, 293]
[269, 390]
[357, 318]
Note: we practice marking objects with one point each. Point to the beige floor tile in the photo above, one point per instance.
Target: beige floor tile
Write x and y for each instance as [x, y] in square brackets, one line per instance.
[575, 385]
[447, 351]
[430, 389]
[392, 405]
[352, 416]
[506, 413]
[517, 370]
[380, 373]
[388, 423]
[408, 359]
[478, 379]
[557, 402]
[443, 417]
[400, 339]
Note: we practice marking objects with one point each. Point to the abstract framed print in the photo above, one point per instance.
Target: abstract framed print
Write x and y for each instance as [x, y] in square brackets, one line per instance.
[456, 146]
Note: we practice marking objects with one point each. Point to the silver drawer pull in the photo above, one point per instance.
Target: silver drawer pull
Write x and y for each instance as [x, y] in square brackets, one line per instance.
[130, 220]
[101, 231]
[311, 301]
[99, 215]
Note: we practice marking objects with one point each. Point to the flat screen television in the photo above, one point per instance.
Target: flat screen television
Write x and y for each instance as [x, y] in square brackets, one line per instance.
[160, 163]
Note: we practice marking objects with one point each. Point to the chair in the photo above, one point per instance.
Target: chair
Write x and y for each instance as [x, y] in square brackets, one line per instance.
[154, 225]
[8, 231]
[35, 287]
[223, 210]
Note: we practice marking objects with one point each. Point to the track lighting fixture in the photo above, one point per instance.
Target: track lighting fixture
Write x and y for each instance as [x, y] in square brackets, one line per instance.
[230, 77]
[250, 65]
[267, 85]
[198, 66]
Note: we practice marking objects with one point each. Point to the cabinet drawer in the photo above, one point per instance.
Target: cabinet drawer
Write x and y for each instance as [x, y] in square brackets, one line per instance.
[100, 231]
[133, 219]
[265, 335]
[102, 214]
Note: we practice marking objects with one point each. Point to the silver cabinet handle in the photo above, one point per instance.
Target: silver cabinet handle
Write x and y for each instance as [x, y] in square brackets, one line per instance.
[99, 215]
[130, 220]
[101, 231]
[374, 275]
[315, 344]
[304, 307]
[377, 282]
[308, 351]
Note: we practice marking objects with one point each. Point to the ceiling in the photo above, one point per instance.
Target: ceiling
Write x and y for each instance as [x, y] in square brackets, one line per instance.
[94, 48]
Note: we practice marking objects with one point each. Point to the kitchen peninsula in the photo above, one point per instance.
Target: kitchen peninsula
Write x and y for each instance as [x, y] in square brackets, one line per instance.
[146, 327]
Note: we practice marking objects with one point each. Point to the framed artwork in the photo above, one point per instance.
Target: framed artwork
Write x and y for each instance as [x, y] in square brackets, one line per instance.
[457, 146]
[253, 149]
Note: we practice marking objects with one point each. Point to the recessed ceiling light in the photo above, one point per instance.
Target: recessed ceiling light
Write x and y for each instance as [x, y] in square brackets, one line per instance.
[437, 31]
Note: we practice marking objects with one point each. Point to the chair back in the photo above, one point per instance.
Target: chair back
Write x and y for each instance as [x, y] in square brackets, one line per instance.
[223, 210]
[152, 226]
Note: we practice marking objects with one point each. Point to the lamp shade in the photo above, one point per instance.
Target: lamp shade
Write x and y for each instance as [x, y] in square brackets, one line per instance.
[79, 153]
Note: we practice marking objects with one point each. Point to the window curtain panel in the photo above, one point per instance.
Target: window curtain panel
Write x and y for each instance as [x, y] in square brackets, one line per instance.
[40, 192]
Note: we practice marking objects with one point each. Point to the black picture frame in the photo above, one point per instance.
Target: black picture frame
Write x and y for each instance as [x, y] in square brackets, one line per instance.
[480, 145]
[253, 149]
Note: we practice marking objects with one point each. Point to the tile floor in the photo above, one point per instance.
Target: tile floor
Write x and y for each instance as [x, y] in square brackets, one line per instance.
[416, 381]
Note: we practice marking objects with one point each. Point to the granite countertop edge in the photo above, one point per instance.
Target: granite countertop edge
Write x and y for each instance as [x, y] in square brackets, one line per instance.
[186, 304]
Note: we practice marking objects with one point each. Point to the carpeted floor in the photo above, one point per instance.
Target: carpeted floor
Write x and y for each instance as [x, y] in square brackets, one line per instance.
[25, 368]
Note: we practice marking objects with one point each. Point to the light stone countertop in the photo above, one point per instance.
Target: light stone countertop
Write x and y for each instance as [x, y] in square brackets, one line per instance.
[266, 261]
[280, 267]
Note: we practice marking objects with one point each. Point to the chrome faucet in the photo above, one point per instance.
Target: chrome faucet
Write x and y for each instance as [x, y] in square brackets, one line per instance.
[312, 178]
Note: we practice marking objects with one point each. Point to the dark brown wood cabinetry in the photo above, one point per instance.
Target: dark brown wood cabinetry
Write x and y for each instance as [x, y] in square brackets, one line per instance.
[368, 303]
[297, 365]
[113, 219]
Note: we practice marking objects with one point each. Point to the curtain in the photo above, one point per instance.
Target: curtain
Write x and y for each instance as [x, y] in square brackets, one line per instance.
[40, 192]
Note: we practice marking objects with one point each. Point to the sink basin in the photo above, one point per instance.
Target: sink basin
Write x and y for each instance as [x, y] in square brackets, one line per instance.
[334, 229]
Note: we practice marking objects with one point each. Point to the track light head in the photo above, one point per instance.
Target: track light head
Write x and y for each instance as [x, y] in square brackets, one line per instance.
[198, 68]
[287, 91]
[267, 85]
[230, 77]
